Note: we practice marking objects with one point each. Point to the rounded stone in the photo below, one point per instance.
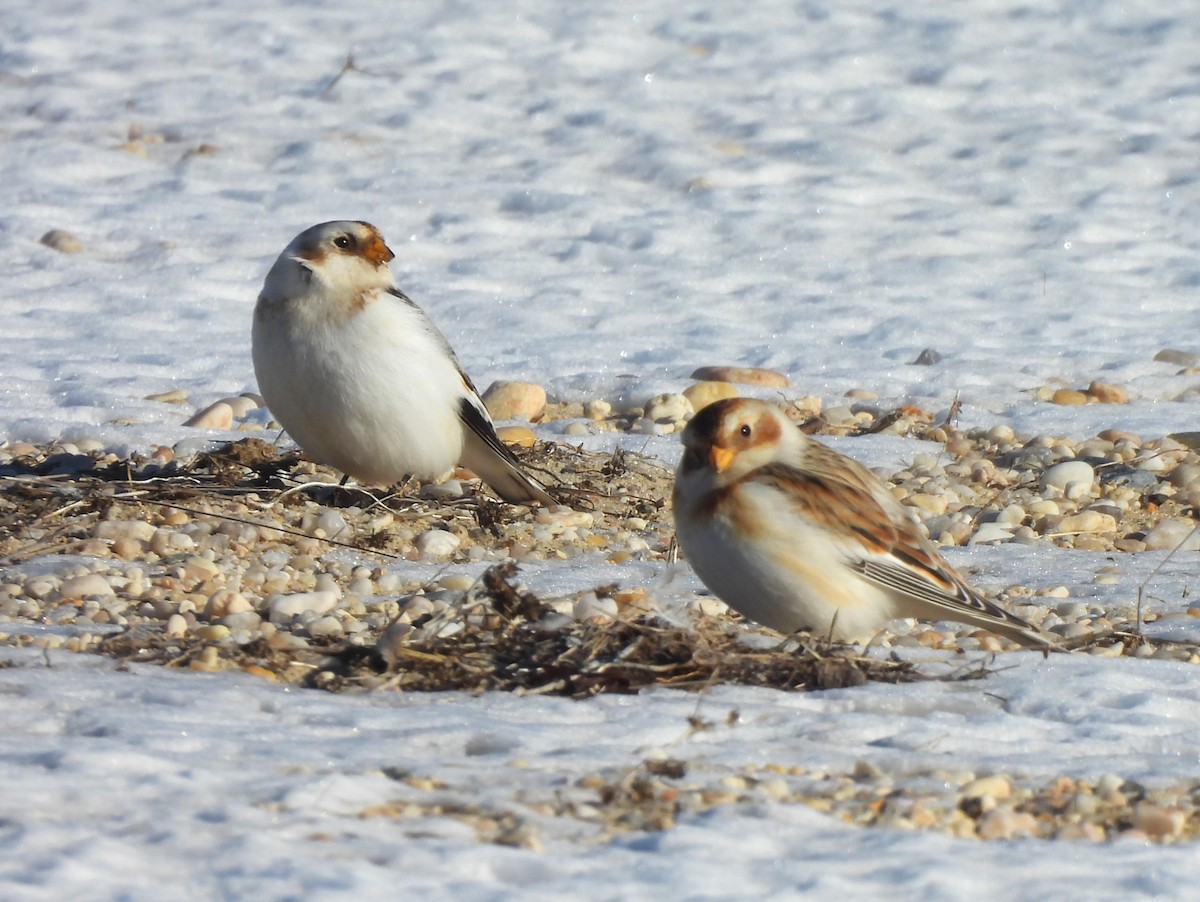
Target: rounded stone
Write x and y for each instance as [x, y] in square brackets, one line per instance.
[1068, 396]
[198, 568]
[1086, 521]
[1152, 463]
[1005, 823]
[589, 605]
[1158, 821]
[138, 530]
[996, 786]
[991, 532]
[171, 396]
[332, 525]
[1063, 474]
[436, 543]
[62, 241]
[1001, 433]
[327, 627]
[744, 375]
[1013, 515]
[89, 584]
[1177, 357]
[598, 410]
[243, 620]
[240, 405]
[648, 426]
[1172, 533]
[861, 394]
[1107, 393]
[701, 394]
[284, 607]
[1184, 475]
[226, 602]
[440, 491]
[1119, 435]
[521, 436]
[213, 632]
[670, 408]
[515, 401]
[215, 416]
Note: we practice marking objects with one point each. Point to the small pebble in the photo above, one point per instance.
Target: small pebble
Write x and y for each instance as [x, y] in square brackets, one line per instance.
[284, 607]
[1063, 474]
[648, 426]
[520, 436]
[243, 621]
[1157, 821]
[1068, 396]
[1177, 357]
[1086, 521]
[436, 543]
[991, 533]
[1108, 394]
[197, 568]
[1172, 533]
[332, 525]
[1005, 823]
[862, 394]
[444, 491]
[91, 584]
[241, 405]
[326, 628]
[670, 408]
[597, 410]
[1185, 476]
[62, 241]
[212, 632]
[997, 787]
[588, 605]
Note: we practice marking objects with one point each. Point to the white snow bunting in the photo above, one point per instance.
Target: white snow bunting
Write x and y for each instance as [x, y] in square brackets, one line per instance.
[797, 536]
[361, 378]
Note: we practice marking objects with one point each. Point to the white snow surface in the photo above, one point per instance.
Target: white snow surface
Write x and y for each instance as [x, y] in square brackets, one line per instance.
[599, 197]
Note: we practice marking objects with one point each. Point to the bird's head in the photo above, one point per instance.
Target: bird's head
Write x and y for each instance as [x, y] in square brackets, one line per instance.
[344, 261]
[731, 438]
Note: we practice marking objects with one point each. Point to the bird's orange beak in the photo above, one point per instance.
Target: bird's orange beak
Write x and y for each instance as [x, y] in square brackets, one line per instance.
[378, 252]
[720, 458]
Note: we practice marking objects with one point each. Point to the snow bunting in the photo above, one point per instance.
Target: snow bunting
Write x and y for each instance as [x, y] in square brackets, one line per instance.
[361, 378]
[797, 536]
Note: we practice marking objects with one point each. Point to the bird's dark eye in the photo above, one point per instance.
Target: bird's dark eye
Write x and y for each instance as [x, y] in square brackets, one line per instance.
[745, 431]
[343, 241]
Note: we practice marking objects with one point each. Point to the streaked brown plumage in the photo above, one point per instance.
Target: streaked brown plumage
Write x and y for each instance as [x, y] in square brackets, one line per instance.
[797, 536]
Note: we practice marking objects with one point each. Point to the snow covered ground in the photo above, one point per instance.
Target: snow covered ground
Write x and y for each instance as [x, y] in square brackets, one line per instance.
[600, 197]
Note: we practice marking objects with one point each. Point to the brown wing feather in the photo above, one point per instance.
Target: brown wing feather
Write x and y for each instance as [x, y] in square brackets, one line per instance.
[846, 498]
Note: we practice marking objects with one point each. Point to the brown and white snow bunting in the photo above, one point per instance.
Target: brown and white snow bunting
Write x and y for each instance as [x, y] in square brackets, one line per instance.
[361, 378]
[797, 536]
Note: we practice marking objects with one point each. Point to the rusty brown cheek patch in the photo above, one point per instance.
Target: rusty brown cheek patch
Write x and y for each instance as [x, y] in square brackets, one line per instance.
[766, 432]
